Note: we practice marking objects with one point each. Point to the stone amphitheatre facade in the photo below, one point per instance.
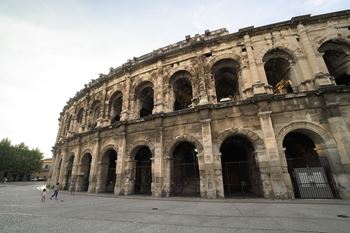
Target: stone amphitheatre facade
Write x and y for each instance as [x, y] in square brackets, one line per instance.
[262, 112]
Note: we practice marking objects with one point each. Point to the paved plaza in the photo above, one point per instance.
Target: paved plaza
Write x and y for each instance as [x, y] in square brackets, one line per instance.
[22, 212]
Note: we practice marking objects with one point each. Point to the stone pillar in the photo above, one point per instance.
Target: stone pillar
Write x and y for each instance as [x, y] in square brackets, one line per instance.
[157, 163]
[158, 90]
[126, 99]
[94, 165]
[247, 79]
[168, 161]
[339, 129]
[120, 171]
[203, 95]
[339, 173]
[276, 174]
[53, 170]
[219, 183]
[257, 86]
[76, 167]
[318, 74]
[63, 171]
[208, 159]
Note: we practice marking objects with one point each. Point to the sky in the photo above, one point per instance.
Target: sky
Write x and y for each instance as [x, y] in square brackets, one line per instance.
[49, 49]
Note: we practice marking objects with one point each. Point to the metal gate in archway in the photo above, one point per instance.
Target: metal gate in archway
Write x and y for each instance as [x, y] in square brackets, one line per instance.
[237, 180]
[186, 181]
[315, 182]
[143, 177]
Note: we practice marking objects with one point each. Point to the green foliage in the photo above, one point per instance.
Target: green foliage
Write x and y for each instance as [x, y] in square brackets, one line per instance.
[19, 159]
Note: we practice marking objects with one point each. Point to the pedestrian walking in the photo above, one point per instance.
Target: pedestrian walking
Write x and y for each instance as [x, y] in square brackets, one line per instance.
[43, 195]
[55, 191]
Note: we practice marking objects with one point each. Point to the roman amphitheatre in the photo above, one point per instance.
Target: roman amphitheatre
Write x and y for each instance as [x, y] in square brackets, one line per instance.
[262, 112]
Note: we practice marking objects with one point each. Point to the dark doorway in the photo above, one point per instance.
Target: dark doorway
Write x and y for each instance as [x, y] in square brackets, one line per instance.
[337, 59]
[85, 170]
[278, 69]
[143, 175]
[109, 163]
[300, 153]
[185, 172]
[69, 172]
[145, 99]
[182, 90]
[239, 170]
[226, 74]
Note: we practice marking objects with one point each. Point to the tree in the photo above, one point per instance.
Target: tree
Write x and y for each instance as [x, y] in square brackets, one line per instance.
[19, 160]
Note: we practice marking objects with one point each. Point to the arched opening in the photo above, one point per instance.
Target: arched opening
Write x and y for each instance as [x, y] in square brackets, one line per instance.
[182, 88]
[310, 174]
[240, 173]
[116, 105]
[69, 172]
[85, 171]
[145, 95]
[226, 74]
[96, 113]
[143, 171]
[278, 69]
[108, 171]
[336, 55]
[80, 116]
[185, 172]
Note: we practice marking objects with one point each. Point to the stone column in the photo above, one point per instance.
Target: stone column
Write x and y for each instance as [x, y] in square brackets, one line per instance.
[63, 171]
[203, 95]
[339, 129]
[76, 166]
[219, 183]
[321, 76]
[126, 99]
[53, 170]
[120, 171]
[257, 86]
[276, 174]
[208, 159]
[94, 165]
[158, 90]
[157, 163]
[339, 174]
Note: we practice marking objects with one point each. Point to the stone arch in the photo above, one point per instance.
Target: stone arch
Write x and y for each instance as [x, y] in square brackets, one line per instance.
[318, 149]
[139, 83]
[137, 144]
[85, 151]
[336, 57]
[181, 88]
[293, 51]
[105, 149]
[318, 41]
[319, 135]
[189, 178]
[210, 63]
[174, 70]
[169, 149]
[143, 98]
[255, 139]
[115, 106]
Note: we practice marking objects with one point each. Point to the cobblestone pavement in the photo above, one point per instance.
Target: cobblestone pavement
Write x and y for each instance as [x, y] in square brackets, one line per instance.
[22, 212]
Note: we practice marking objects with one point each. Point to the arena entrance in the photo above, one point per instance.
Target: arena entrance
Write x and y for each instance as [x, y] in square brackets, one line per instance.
[185, 173]
[143, 171]
[108, 171]
[239, 170]
[310, 174]
[85, 171]
[69, 172]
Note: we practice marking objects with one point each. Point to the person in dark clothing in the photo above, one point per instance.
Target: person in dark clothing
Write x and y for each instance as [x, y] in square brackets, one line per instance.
[55, 191]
